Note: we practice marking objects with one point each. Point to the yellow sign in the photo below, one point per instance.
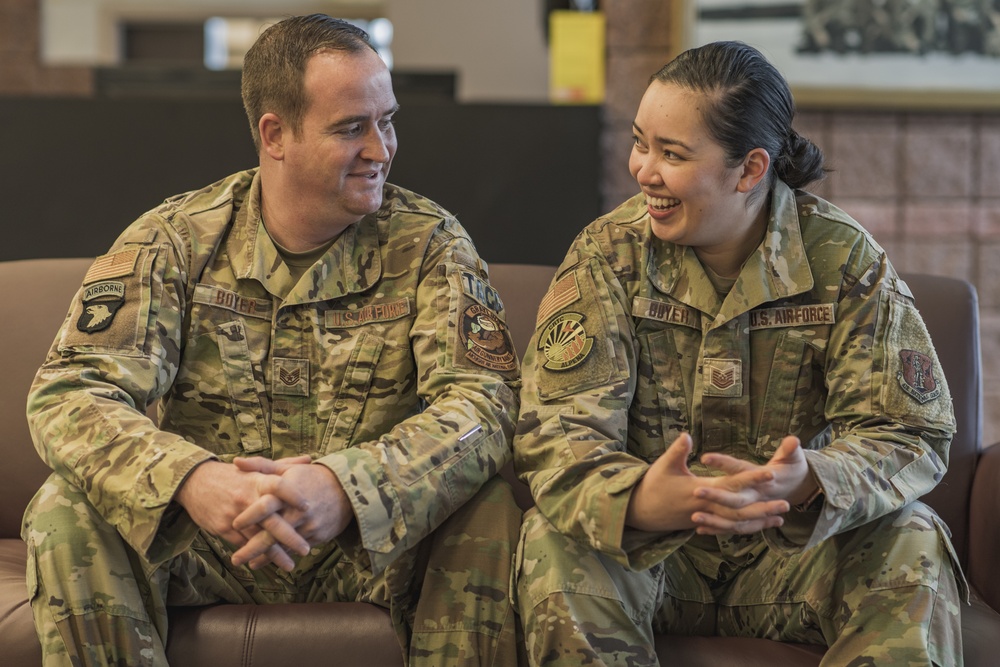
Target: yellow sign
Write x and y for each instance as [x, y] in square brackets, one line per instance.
[576, 57]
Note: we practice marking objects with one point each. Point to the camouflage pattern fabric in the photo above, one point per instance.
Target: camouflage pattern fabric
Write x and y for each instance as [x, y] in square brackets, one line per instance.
[818, 338]
[388, 362]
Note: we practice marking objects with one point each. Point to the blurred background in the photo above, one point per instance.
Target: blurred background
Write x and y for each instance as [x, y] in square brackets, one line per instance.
[516, 116]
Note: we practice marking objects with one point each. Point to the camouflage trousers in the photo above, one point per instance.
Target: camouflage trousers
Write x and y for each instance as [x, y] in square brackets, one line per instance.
[886, 593]
[96, 602]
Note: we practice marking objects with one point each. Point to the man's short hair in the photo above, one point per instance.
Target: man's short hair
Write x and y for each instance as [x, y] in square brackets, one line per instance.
[274, 67]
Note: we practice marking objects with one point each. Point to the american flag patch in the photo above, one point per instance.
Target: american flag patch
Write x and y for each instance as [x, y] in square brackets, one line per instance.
[563, 293]
[120, 263]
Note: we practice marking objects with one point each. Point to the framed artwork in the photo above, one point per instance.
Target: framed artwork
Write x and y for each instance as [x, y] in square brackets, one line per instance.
[934, 54]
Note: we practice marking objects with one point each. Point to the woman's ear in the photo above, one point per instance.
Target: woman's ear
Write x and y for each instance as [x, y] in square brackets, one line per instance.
[755, 166]
[272, 136]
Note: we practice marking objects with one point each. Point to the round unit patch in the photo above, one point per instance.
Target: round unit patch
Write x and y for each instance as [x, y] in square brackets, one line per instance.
[565, 342]
[486, 341]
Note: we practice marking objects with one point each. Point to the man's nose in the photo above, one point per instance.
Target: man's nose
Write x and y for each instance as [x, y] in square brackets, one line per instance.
[375, 148]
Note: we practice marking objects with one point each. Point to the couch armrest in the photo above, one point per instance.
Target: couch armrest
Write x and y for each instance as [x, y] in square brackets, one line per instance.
[984, 527]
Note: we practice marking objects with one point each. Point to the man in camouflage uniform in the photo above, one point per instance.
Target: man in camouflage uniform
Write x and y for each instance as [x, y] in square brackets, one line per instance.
[636, 348]
[304, 311]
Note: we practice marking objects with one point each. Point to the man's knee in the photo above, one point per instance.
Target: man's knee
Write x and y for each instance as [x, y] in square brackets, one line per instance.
[77, 562]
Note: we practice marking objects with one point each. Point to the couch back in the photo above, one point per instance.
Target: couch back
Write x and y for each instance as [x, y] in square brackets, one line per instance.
[950, 308]
[38, 295]
[39, 292]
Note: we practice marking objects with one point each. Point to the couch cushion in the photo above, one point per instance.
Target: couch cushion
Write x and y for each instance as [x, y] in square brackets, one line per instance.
[348, 633]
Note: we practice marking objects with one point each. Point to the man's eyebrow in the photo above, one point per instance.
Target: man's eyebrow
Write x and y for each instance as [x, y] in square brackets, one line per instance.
[664, 141]
[360, 118]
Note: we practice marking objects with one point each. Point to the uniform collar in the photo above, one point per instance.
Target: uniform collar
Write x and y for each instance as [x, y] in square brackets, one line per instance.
[779, 268]
[352, 264]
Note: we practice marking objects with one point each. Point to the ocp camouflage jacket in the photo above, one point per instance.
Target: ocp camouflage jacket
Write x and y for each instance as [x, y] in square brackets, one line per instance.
[818, 338]
[388, 362]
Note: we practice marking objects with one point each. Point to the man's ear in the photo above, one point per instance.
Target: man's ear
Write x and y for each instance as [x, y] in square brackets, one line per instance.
[755, 166]
[273, 134]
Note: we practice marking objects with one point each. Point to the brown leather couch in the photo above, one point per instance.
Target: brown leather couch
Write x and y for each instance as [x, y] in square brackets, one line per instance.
[36, 297]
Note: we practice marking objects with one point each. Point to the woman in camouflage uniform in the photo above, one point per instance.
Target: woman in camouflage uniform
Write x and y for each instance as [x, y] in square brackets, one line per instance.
[731, 406]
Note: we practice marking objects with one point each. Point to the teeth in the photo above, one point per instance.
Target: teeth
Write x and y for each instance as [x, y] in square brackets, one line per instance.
[662, 202]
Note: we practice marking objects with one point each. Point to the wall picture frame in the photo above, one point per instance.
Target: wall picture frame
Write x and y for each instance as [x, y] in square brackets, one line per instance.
[907, 54]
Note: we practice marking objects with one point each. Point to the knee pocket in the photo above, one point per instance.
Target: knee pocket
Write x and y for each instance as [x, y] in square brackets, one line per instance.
[77, 560]
[913, 546]
[549, 563]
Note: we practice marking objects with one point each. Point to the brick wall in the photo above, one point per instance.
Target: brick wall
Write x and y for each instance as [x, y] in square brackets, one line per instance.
[927, 185]
[21, 72]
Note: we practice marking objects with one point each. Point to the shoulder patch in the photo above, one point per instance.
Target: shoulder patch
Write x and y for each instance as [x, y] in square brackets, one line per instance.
[564, 342]
[562, 294]
[113, 265]
[481, 291]
[485, 339]
[101, 301]
[916, 376]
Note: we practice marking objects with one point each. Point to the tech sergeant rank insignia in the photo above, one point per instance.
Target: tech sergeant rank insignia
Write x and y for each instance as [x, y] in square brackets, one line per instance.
[565, 342]
[486, 341]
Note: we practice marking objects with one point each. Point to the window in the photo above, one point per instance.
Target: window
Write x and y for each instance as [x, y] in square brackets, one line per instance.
[228, 39]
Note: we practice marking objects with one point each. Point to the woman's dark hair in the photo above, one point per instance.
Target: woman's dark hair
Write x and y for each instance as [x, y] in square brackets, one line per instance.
[750, 106]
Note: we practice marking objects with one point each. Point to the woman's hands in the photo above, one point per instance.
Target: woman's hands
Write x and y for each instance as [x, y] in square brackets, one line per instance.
[745, 498]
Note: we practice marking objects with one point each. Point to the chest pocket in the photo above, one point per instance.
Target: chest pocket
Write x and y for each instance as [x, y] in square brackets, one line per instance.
[793, 393]
[218, 398]
[244, 389]
[660, 410]
[355, 387]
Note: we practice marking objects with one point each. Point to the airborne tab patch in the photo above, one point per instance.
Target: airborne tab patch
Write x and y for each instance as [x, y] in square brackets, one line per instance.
[100, 303]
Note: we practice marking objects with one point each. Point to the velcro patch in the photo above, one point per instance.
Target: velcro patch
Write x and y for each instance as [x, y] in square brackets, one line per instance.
[723, 377]
[113, 265]
[291, 376]
[373, 312]
[662, 311]
[792, 316]
[916, 376]
[565, 342]
[562, 294]
[486, 340]
[211, 295]
[101, 302]
[481, 291]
